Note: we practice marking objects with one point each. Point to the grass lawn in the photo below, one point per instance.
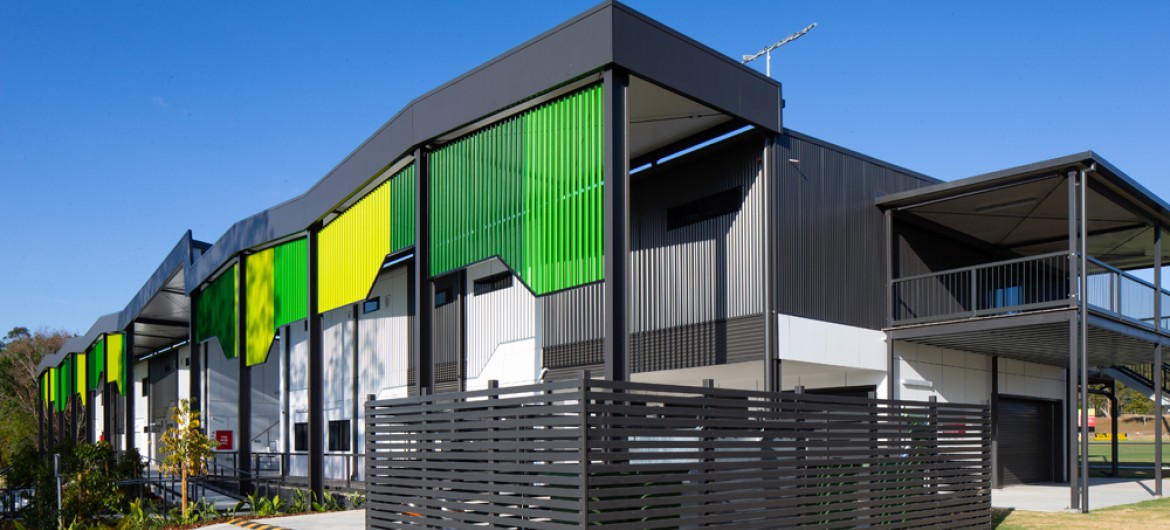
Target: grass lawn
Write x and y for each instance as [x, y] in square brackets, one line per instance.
[1148, 515]
[1135, 451]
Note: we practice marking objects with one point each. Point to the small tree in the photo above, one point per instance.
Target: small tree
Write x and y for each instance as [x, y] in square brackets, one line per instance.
[185, 446]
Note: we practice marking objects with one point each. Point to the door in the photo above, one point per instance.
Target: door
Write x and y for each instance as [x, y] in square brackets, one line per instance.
[1028, 452]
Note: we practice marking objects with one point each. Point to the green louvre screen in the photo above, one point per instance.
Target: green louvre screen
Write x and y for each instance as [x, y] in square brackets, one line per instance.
[527, 189]
[96, 359]
[291, 282]
[402, 209]
[216, 312]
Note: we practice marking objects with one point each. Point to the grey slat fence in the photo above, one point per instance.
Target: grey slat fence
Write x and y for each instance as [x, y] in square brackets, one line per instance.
[587, 452]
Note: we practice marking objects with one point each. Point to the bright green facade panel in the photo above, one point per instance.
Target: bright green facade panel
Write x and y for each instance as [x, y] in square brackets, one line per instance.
[291, 271]
[217, 312]
[402, 209]
[527, 189]
[96, 359]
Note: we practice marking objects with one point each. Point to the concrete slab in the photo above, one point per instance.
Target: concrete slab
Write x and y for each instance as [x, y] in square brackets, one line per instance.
[320, 521]
[1103, 493]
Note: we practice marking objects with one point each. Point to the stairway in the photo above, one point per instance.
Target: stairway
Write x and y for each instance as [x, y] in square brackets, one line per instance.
[1140, 377]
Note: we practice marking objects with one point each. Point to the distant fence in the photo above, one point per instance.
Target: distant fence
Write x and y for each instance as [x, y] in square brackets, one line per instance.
[638, 456]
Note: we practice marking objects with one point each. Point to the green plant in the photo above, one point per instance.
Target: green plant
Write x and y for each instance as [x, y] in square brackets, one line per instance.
[300, 502]
[186, 447]
[357, 500]
[263, 506]
[329, 503]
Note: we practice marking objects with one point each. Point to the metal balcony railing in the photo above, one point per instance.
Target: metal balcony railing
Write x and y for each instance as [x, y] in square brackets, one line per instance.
[1021, 285]
[1004, 287]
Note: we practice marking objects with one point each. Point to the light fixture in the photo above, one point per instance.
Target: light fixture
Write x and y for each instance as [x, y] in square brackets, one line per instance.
[918, 383]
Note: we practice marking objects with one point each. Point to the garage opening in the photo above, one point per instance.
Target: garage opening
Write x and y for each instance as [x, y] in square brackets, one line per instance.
[1028, 448]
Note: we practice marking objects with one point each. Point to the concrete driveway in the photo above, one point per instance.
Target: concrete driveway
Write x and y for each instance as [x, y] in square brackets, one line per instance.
[1103, 493]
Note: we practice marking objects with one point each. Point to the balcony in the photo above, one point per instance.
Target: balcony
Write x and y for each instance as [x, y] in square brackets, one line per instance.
[1022, 285]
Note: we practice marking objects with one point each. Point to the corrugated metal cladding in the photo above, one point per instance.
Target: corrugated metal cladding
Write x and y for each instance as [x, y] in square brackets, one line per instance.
[354, 245]
[116, 361]
[402, 209]
[259, 312]
[448, 333]
[690, 282]
[495, 318]
[384, 335]
[96, 358]
[276, 280]
[527, 189]
[830, 238]
[573, 328]
[217, 311]
[82, 388]
[337, 329]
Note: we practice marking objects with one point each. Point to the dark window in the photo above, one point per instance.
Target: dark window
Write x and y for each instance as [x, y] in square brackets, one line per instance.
[494, 282]
[444, 297]
[300, 437]
[704, 209]
[339, 435]
[145, 386]
[372, 305]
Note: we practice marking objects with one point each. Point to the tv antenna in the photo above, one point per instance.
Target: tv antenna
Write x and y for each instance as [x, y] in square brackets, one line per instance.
[767, 52]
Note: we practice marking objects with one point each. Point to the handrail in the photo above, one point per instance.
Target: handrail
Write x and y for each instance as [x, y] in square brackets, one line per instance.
[1120, 272]
[981, 266]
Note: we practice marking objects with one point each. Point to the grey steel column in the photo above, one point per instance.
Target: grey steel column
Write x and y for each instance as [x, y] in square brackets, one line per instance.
[41, 416]
[422, 350]
[1084, 342]
[195, 373]
[891, 363]
[354, 387]
[1159, 368]
[128, 385]
[772, 365]
[243, 381]
[617, 224]
[1073, 336]
[996, 480]
[316, 375]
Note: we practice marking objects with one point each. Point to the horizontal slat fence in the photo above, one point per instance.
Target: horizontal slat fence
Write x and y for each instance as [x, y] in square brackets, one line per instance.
[631, 456]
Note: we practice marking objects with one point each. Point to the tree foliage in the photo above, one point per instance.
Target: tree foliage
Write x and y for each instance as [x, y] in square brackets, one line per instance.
[186, 447]
[21, 351]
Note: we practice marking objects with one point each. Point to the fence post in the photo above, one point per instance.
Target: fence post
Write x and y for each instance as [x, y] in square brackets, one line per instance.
[583, 426]
[933, 445]
[492, 385]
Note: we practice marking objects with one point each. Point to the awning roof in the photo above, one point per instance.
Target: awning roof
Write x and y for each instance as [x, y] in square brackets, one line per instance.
[104, 324]
[1024, 210]
[705, 88]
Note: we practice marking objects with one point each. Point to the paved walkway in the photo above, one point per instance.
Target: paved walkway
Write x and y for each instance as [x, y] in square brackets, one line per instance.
[351, 519]
[1103, 493]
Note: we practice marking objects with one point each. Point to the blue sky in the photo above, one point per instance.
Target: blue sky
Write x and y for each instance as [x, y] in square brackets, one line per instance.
[124, 124]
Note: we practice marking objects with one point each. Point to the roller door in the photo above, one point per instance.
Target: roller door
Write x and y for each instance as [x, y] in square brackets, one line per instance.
[1028, 452]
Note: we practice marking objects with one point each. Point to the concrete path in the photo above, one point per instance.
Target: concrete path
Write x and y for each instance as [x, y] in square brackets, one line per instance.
[351, 519]
[1103, 493]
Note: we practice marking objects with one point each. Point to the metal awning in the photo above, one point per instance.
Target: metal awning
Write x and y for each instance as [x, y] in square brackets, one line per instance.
[1024, 210]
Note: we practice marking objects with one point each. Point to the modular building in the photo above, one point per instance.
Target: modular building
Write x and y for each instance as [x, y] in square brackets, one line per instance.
[616, 197]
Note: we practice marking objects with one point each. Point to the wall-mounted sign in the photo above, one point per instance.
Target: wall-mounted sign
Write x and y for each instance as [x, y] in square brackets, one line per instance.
[223, 440]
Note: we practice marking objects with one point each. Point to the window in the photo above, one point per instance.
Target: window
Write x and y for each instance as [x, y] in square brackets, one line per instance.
[704, 209]
[371, 305]
[145, 387]
[494, 282]
[339, 435]
[444, 297]
[300, 437]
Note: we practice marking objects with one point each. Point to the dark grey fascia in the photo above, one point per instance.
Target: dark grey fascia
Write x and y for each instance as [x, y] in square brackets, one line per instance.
[607, 35]
[1107, 172]
[179, 258]
[104, 324]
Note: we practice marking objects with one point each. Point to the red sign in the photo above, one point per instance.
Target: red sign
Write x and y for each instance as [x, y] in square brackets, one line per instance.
[224, 439]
